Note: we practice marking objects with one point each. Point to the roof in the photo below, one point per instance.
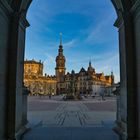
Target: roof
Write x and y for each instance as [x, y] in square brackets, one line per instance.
[32, 62]
[107, 77]
[82, 70]
[98, 74]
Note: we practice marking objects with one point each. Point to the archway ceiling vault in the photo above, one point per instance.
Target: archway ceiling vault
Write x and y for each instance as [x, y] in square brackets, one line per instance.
[18, 5]
[23, 5]
[121, 6]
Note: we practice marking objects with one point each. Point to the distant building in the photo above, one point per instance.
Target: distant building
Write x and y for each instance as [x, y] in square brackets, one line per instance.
[36, 82]
[84, 82]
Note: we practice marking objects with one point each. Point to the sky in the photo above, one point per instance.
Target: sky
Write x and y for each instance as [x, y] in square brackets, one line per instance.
[88, 34]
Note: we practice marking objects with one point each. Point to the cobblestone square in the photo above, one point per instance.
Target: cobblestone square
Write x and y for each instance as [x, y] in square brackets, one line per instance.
[71, 120]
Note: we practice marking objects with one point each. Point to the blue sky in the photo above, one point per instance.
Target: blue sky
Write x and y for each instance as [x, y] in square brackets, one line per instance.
[88, 34]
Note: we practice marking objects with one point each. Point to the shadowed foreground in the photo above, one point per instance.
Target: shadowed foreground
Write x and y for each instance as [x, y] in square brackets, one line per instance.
[71, 120]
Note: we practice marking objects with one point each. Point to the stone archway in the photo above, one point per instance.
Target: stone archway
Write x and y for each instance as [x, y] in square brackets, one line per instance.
[128, 88]
[12, 42]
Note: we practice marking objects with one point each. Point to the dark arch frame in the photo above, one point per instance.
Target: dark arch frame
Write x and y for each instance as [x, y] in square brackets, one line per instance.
[15, 12]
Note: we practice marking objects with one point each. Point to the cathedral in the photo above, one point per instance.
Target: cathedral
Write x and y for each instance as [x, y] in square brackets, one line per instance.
[87, 81]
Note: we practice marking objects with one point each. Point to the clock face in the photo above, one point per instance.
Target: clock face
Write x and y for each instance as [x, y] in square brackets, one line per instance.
[60, 70]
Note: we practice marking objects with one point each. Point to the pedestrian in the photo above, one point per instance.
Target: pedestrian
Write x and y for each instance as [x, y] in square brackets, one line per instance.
[49, 96]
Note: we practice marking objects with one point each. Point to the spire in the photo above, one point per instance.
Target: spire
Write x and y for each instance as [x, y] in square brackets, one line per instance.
[90, 63]
[112, 74]
[90, 68]
[60, 39]
[60, 46]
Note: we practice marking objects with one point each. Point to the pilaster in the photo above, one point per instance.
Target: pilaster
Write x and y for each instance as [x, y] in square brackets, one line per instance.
[15, 73]
[128, 93]
[136, 14]
[5, 17]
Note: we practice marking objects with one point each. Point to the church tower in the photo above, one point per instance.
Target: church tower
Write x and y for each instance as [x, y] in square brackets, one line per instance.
[60, 63]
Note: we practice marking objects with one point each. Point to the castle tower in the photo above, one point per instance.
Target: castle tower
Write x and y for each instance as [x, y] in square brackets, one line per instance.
[60, 63]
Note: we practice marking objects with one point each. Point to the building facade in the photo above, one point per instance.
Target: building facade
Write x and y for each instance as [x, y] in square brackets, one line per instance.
[84, 82]
[37, 83]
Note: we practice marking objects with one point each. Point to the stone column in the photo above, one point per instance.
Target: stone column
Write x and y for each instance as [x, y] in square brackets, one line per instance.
[132, 41]
[128, 95]
[129, 37]
[15, 73]
[5, 14]
[123, 80]
[136, 14]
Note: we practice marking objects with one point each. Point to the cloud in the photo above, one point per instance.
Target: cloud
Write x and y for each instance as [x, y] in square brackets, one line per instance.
[70, 44]
[54, 7]
[96, 21]
[66, 45]
[49, 58]
[100, 33]
[49, 64]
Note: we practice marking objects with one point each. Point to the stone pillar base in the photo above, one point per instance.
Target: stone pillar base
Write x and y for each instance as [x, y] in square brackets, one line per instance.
[21, 132]
[121, 130]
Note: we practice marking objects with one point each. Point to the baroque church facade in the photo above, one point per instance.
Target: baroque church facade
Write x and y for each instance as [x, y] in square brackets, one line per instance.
[85, 82]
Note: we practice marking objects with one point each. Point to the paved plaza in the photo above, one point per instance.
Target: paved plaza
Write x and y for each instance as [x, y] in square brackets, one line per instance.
[55, 119]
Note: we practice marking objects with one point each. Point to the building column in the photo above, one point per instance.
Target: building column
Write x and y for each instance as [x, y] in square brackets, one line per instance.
[128, 23]
[15, 74]
[128, 91]
[131, 83]
[136, 14]
[122, 121]
[5, 15]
